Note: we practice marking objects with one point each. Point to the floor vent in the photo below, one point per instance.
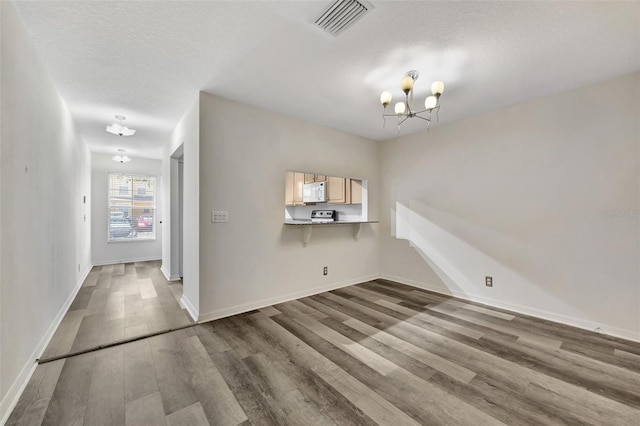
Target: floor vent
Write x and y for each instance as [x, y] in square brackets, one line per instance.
[341, 14]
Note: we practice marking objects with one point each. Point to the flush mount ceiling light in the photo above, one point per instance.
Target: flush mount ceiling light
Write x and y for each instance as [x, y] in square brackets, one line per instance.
[405, 110]
[119, 129]
[121, 158]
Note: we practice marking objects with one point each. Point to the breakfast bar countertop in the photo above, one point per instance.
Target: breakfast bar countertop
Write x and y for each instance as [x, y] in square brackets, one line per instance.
[329, 222]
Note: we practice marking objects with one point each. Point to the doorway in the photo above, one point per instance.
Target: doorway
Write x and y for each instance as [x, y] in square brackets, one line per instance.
[180, 214]
[176, 207]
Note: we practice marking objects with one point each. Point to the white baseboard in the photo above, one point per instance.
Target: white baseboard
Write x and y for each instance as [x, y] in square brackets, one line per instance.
[20, 383]
[15, 391]
[258, 304]
[164, 272]
[168, 276]
[526, 310]
[193, 312]
[128, 260]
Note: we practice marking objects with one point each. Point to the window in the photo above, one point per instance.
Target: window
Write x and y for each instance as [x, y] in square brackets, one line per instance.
[132, 207]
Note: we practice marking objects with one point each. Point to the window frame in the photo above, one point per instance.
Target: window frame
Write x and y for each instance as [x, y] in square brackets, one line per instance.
[154, 207]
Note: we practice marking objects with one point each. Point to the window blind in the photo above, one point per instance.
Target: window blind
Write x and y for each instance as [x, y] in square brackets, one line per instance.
[132, 207]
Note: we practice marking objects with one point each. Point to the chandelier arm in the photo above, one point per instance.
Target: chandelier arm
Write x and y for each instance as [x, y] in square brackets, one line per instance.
[406, 103]
[405, 119]
[424, 118]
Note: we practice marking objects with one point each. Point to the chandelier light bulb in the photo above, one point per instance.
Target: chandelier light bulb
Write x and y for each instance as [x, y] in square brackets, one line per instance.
[406, 84]
[437, 88]
[385, 98]
[399, 108]
[430, 102]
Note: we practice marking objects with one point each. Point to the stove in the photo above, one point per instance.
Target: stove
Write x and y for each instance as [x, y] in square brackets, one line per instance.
[323, 216]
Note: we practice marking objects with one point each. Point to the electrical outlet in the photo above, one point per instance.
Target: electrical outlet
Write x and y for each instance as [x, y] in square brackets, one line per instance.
[325, 270]
[219, 216]
[488, 281]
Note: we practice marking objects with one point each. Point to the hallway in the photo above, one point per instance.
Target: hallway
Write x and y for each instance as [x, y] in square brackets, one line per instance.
[118, 303]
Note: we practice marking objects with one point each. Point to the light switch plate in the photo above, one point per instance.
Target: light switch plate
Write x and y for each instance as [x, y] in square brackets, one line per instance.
[219, 216]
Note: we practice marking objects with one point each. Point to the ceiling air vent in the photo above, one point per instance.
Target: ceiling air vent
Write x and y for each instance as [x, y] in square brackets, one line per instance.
[341, 14]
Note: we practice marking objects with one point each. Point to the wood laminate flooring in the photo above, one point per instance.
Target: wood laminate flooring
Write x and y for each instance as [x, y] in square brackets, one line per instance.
[116, 303]
[374, 353]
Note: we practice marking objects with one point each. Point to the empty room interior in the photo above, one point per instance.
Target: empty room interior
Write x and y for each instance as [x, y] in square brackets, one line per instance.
[325, 212]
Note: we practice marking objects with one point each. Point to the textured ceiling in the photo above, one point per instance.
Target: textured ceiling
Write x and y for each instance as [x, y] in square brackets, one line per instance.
[148, 60]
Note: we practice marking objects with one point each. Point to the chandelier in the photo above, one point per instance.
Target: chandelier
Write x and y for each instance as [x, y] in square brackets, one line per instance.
[118, 128]
[405, 110]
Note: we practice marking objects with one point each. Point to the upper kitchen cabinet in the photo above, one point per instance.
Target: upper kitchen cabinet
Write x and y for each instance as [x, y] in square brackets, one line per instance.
[298, 185]
[311, 178]
[294, 183]
[289, 189]
[339, 190]
[356, 191]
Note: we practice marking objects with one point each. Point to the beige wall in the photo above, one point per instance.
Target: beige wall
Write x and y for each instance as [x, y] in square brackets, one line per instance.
[45, 173]
[543, 196]
[254, 260]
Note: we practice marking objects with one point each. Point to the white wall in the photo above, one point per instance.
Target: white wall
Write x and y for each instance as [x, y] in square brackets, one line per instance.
[103, 252]
[45, 244]
[254, 260]
[4, 406]
[543, 196]
[185, 140]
